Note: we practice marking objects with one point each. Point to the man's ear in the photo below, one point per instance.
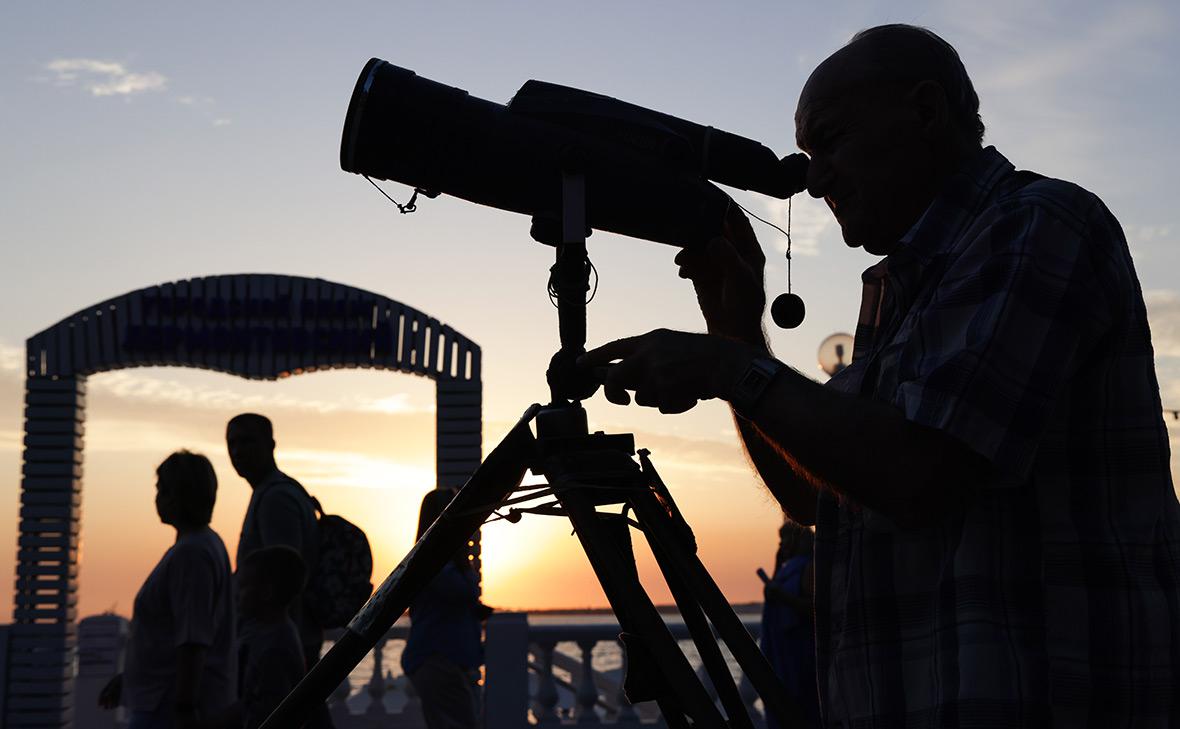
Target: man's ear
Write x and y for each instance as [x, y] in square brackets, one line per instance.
[929, 101]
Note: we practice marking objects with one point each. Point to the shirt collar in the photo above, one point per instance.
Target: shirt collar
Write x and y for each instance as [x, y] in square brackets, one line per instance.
[961, 200]
[898, 275]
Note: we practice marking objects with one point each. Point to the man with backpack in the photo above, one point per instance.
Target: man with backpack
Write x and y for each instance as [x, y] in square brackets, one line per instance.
[280, 512]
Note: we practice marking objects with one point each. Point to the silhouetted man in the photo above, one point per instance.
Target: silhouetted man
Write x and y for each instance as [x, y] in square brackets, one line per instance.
[997, 534]
[280, 511]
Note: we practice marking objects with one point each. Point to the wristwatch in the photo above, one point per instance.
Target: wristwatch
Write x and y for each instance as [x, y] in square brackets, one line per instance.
[750, 387]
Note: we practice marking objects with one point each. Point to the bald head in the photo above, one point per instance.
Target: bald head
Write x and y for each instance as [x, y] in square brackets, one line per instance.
[886, 119]
[249, 438]
[896, 57]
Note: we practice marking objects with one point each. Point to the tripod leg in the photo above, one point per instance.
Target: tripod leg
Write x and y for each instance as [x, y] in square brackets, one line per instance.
[615, 569]
[685, 563]
[500, 473]
[702, 636]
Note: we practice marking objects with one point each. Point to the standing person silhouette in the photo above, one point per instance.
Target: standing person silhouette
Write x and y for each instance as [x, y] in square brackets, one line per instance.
[444, 651]
[997, 533]
[788, 631]
[280, 511]
[180, 665]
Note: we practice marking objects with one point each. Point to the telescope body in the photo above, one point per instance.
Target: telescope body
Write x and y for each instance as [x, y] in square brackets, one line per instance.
[647, 173]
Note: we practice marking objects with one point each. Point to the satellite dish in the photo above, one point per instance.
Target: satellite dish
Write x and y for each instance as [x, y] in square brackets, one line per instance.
[835, 353]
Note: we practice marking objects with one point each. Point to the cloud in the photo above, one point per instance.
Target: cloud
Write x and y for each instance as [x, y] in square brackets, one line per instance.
[132, 386]
[11, 441]
[104, 78]
[810, 223]
[397, 404]
[1043, 43]
[11, 360]
[1163, 314]
[355, 470]
[1147, 233]
[1036, 65]
[1113, 37]
[206, 106]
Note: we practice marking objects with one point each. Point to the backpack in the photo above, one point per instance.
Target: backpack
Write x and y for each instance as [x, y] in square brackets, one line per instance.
[341, 581]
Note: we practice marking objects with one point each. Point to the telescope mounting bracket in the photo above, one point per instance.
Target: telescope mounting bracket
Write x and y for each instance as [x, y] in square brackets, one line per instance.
[569, 280]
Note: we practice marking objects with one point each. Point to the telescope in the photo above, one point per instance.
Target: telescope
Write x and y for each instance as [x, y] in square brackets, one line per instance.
[583, 161]
[648, 175]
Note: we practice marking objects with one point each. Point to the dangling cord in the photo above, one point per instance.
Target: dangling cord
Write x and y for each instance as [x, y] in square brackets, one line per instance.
[789, 244]
[406, 209]
[786, 232]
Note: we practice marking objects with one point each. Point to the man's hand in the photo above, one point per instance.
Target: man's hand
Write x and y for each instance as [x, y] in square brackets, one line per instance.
[112, 693]
[671, 370]
[727, 274]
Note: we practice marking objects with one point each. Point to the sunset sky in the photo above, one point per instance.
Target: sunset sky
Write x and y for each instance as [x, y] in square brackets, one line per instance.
[142, 143]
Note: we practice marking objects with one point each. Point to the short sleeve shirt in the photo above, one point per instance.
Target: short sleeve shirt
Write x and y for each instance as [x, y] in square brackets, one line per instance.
[186, 600]
[1010, 318]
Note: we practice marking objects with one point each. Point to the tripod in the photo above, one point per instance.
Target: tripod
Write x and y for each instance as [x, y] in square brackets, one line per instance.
[585, 474]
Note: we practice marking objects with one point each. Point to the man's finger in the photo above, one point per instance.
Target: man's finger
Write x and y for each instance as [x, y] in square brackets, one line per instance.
[620, 378]
[617, 395]
[609, 352]
[675, 407]
[646, 397]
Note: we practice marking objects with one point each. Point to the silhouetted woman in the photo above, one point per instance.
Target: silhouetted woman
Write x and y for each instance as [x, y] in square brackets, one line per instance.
[179, 664]
[788, 633]
[444, 652]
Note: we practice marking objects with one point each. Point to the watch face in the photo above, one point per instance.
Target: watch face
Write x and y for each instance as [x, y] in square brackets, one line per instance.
[754, 379]
[753, 383]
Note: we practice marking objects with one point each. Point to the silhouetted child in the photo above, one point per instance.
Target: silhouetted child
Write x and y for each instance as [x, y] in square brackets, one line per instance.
[270, 659]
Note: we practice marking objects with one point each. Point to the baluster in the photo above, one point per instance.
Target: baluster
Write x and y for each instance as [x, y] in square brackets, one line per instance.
[587, 695]
[377, 682]
[627, 713]
[749, 695]
[545, 701]
[707, 682]
[338, 703]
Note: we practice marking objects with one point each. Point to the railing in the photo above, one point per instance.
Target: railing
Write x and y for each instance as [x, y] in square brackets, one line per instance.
[585, 686]
[549, 671]
[542, 672]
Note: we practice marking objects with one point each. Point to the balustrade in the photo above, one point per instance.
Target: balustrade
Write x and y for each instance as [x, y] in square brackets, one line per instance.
[542, 672]
[570, 684]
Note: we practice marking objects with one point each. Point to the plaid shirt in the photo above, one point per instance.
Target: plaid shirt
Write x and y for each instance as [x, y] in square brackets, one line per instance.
[1010, 318]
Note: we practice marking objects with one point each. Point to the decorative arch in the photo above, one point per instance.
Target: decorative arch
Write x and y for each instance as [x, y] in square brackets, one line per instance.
[259, 326]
